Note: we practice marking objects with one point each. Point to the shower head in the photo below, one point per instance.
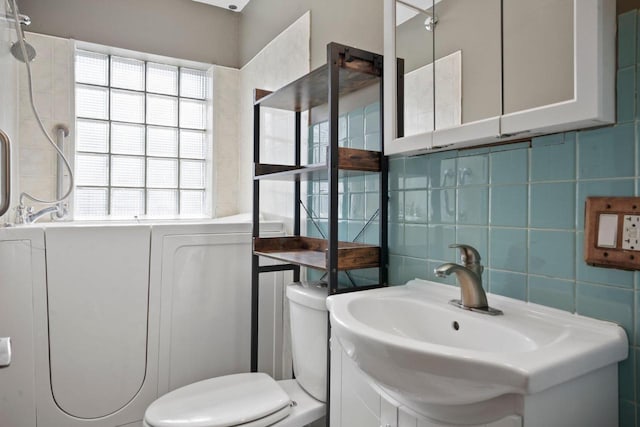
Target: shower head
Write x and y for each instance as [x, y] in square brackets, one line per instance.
[21, 48]
[16, 51]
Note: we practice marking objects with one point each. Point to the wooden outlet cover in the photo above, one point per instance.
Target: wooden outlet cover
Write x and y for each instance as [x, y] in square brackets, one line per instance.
[609, 257]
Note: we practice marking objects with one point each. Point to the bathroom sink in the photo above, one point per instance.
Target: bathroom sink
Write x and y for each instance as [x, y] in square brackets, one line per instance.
[431, 355]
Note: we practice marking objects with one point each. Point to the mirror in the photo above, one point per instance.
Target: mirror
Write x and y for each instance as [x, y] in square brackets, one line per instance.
[538, 53]
[468, 61]
[414, 44]
[462, 39]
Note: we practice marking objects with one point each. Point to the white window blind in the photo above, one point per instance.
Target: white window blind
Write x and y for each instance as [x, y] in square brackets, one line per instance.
[141, 142]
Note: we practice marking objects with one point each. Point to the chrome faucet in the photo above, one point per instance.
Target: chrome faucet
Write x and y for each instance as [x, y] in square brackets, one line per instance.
[469, 275]
[26, 215]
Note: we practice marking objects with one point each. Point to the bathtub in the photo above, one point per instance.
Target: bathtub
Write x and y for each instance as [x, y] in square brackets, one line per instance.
[106, 317]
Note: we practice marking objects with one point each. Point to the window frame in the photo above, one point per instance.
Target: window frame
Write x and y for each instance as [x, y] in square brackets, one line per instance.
[178, 158]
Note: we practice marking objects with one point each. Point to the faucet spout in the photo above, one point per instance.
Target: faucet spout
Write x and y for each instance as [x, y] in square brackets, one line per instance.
[28, 216]
[471, 291]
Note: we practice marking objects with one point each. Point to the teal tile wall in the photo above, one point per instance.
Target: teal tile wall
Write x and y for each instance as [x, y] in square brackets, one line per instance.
[358, 199]
[522, 206]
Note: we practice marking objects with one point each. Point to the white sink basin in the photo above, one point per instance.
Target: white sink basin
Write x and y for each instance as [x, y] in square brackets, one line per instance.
[429, 354]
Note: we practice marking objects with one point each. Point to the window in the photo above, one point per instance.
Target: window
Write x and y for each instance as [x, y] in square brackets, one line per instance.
[141, 140]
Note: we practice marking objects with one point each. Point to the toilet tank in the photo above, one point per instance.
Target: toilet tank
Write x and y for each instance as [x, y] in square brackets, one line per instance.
[308, 315]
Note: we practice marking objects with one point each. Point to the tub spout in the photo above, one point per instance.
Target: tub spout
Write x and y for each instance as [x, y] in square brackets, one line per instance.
[26, 215]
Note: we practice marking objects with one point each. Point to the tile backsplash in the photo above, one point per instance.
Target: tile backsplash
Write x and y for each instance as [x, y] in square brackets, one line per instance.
[522, 206]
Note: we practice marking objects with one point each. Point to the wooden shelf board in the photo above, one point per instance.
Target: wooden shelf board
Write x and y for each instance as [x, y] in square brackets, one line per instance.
[350, 161]
[311, 252]
[312, 89]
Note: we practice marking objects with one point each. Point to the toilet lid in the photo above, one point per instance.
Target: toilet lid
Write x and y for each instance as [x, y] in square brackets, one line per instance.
[225, 401]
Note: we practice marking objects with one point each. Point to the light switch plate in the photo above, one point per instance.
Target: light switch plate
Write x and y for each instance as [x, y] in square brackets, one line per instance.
[611, 245]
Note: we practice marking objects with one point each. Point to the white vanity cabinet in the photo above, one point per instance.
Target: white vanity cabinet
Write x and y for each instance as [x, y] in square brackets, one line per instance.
[355, 402]
[524, 69]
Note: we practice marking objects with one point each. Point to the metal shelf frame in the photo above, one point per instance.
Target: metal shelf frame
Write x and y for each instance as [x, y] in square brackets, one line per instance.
[347, 70]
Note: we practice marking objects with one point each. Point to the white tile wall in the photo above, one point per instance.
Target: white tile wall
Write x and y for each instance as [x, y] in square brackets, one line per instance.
[225, 140]
[284, 59]
[52, 72]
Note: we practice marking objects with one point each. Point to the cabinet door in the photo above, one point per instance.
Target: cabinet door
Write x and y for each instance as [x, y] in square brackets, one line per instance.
[467, 56]
[538, 53]
[414, 44]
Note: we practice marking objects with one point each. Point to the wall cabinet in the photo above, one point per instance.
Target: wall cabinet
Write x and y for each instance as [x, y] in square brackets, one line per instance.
[490, 71]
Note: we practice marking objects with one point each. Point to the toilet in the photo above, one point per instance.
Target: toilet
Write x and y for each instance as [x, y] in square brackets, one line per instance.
[256, 399]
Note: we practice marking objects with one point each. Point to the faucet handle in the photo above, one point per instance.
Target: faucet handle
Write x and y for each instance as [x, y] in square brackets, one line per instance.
[468, 254]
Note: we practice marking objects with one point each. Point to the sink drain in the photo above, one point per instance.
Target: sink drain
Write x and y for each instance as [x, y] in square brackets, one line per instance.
[455, 325]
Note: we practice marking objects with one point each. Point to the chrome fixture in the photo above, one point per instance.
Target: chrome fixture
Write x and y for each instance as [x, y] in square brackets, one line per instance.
[430, 21]
[20, 20]
[62, 131]
[26, 215]
[5, 196]
[472, 295]
[16, 51]
[5, 352]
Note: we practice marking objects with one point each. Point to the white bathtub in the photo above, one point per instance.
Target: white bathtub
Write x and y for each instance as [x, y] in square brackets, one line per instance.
[106, 317]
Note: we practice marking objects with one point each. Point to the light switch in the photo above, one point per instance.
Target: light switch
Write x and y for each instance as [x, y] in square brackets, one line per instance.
[607, 230]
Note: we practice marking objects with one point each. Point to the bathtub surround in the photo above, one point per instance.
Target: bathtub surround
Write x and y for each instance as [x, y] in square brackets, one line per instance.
[225, 134]
[521, 205]
[53, 92]
[231, 116]
[105, 318]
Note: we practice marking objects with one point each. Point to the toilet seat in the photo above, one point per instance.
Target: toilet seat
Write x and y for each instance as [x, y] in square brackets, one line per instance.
[247, 400]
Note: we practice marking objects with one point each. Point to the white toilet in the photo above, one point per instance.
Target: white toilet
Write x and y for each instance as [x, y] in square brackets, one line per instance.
[256, 399]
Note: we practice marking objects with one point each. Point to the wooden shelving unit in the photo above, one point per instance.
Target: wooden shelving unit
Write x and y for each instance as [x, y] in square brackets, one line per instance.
[350, 160]
[347, 71]
[312, 252]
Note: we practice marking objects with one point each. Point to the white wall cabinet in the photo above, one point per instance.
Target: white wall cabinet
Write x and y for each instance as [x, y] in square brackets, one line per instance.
[587, 63]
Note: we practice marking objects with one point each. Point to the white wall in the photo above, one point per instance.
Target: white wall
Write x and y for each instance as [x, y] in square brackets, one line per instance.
[355, 23]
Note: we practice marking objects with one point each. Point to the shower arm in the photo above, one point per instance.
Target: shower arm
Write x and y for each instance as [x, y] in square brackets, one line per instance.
[5, 201]
[22, 19]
